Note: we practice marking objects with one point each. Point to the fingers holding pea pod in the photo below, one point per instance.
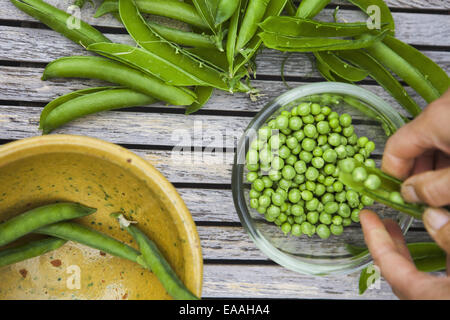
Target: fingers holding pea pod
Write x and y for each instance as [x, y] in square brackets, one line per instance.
[149, 40]
[115, 72]
[29, 250]
[102, 100]
[376, 185]
[173, 9]
[58, 20]
[29, 221]
[253, 16]
[154, 260]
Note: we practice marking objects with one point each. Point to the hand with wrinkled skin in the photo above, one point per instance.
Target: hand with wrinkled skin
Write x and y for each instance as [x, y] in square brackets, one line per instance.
[418, 153]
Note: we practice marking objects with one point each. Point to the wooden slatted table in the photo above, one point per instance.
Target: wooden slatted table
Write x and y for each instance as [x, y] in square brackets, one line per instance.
[234, 267]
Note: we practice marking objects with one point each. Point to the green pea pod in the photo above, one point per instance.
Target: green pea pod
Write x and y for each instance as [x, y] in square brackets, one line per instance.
[363, 60]
[254, 14]
[290, 8]
[78, 233]
[203, 95]
[154, 260]
[427, 67]
[384, 11]
[225, 9]
[183, 38]
[173, 9]
[149, 40]
[299, 27]
[274, 8]
[340, 67]
[411, 75]
[382, 194]
[83, 105]
[115, 72]
[210, 57]
[310, 44]
[29, 250]
[58, 20]
[64, 98]
[232, 35]
[147, 62]
[427, 256]
[310, 8]
[29, 221]
[207, 10]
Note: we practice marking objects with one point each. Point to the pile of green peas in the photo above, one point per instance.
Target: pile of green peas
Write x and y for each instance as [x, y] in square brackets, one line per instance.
[293, 170]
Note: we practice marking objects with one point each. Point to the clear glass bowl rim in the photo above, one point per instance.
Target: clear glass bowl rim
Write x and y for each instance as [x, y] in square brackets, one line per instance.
[374, 102]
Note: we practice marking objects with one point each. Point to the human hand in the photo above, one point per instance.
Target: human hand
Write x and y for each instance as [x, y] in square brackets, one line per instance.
[420, 153]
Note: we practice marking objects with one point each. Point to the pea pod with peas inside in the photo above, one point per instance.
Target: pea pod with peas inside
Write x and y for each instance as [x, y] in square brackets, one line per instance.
[82, 33]
[154, 260]
[111, 71]
[29, 250]
[174, 9]
[377, 185]
[225, 10]
[107, 99]
[29, 221]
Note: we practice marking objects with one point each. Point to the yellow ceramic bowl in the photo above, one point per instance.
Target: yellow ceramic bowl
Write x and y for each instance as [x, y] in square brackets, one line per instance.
[42, 170]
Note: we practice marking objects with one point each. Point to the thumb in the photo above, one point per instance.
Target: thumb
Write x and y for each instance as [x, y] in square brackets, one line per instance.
[430, 187]
[437, 223]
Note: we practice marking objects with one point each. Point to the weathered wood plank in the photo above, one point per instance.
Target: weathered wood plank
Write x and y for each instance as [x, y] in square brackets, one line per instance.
[25, 84]
[407, 29]
[250, 281]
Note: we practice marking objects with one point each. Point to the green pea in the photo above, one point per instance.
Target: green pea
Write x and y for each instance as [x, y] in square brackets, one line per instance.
[274, 175]
[326, 110]
[359, 158]
[347, 165]
[370, 163]
[277, 199]
[267, 182]
[291, 142]
[295, 123]
[331, 207]
[297, 210]
[338, 187]
[274, 142]
[252, 176]
[309, 119]
[336, 220]
[311, 173]
[261, 210]
[308, 228]
[355, 215]
[299, 178]
[252, 167]
[345, 120]
[268, 192]
[264, 201]
[340, 196]
[369, 147]
[296, 230]
[311, 186]
[265, 156]
[312, 204]
[327, 197]
[333, 115]
[330, 156]
[319, 117]
[359, 174]
[310, 130]
[277, 163]
[294, 195]
[306, 156]
[282, 217]
[365, 200]
[288, 172]
[312, 217]
[373, 182]
[281, 122]
[317, 152]
[254, 203]
[304, 109]
[320, 190]
[264, 133]
[323, 231]
[299, 135]
[317, 162]
[315, 109]
[336, 229]
[323, 127]
[346, 222]
[308, 144]
[344, 210]
[334, 123]
[291, 160]
[396, 197]
[350, 150]
[362, 141]
[325, 218]
[300, 219]
[258, 185]
[334, 139]
[284, 152]
[307, 195]
[296, 150]
[329, 181]
[254, 194]
[286, 228]
[341, 152]
[284, 183]
[353, 139]
[322, 140]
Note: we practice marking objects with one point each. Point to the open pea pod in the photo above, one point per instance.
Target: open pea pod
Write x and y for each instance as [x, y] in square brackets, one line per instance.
[230, 48]
[376, 70]
[173, 9]
[383, 193]
[310, 8]
[311, 44]
[203, 95]
[427, 67]
[60, 21]
[207, 10]
[341, 68]
[175, 56]
[384, 11]
[300, 27]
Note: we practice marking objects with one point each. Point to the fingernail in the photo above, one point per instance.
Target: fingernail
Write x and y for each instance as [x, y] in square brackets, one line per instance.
[435, 219]
[409, 193]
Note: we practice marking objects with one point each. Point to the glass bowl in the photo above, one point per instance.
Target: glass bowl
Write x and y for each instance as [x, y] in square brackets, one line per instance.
[373, 118]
